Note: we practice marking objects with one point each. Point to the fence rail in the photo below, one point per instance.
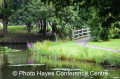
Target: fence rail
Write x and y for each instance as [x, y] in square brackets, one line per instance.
[76, 34]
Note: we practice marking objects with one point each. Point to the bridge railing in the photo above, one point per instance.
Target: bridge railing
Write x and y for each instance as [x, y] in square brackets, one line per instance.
[76, 34]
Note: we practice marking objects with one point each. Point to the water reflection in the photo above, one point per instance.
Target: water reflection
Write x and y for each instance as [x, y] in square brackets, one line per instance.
[4, 75]
[30, 60]
[21, 62]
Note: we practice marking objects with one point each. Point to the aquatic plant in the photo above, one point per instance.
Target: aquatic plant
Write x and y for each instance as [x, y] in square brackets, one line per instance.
[30, 47]
[6, 49]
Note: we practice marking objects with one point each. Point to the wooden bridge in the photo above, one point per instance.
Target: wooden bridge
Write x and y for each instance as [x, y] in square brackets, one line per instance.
[76, 34]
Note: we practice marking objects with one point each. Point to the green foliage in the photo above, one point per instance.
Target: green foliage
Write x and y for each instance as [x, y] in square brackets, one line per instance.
[68, 19]
[104, 13]
[65, 19]
[6, 8]
[103, 17]
[115, 32]
[96, 29]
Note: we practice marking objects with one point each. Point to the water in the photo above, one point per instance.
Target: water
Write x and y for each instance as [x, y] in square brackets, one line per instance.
[21, 65]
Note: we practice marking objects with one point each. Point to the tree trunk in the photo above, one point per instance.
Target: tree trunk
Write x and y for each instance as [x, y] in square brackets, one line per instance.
[53, 29]
[29, 27]
[44, 30]
[47, 27]
[41, 25]
[5, 25]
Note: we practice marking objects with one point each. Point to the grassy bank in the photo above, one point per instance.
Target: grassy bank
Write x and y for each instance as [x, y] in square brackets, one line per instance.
[73, 51]
[113, 44]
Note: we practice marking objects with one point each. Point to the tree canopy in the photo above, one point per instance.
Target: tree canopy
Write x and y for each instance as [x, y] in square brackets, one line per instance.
[107, 12]
[100, 15]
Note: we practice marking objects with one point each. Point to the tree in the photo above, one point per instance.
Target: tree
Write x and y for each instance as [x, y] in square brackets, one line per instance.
[6, 8]
[41, 14]
[32, 12]
[23, 14]
[108, 12]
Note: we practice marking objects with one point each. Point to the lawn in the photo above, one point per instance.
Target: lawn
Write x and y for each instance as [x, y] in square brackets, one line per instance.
[73, 51]
[16, 29]
[22, 29]
[112, 44]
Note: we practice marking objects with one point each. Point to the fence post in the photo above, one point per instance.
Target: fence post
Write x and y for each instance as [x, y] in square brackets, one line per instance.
[82, 33]
[88, 31]
[78, 33]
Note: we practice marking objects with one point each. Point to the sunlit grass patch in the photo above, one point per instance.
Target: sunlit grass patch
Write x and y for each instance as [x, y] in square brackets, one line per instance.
[15, 29]
[113, 44]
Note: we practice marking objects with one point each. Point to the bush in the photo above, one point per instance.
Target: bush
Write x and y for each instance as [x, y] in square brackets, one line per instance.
[66, 31]
[116, 33]
[95, 33]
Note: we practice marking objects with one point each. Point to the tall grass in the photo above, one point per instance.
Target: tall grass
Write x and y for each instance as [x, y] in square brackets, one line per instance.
[72, 51]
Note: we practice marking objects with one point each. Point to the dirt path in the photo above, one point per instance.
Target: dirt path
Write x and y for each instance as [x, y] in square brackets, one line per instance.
[85, 40]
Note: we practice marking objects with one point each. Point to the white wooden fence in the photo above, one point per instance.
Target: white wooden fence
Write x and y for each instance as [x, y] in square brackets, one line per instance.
[76, 34]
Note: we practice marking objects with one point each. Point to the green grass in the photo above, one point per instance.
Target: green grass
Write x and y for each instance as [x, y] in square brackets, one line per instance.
[112, 44]
[15, 29]
[21, 29]
[73, 51]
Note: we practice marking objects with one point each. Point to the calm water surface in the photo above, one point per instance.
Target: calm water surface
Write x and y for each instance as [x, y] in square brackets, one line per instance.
[21, 65]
